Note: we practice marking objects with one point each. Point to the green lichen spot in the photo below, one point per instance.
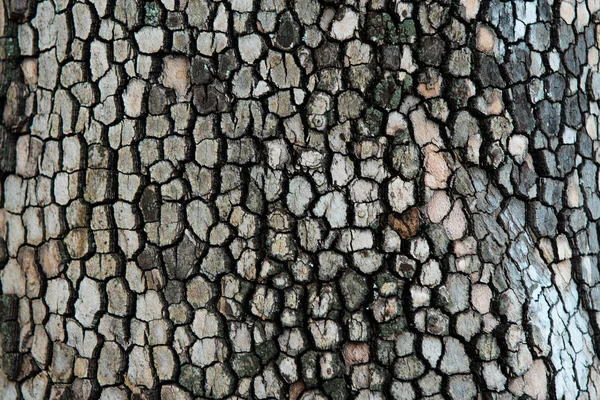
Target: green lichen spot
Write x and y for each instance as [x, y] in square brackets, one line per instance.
[152, 10]
[407, 83]
[336, 389]
[407, 32]
[388, 94]
[393, 327]
[266, 351]
[374, 119]
[12, 48]
[381, 28]
[245, 365]
[192, 378]
[309, 368]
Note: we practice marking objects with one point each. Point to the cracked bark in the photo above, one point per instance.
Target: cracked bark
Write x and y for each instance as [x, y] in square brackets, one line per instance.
[299, 199]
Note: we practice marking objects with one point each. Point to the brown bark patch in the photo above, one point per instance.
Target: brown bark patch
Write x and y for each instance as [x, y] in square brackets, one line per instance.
[406, 224]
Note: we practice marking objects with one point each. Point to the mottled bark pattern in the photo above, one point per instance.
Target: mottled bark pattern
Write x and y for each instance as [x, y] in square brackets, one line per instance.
[12, 92]
[300, 199]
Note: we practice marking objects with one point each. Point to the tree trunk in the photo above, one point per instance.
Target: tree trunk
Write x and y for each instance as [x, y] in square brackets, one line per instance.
[299, 199]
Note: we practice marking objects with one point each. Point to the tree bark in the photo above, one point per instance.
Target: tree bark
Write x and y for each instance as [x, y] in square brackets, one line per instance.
[300, 199]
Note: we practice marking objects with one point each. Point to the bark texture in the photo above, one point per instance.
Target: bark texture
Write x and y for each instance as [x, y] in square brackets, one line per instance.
[299, 199]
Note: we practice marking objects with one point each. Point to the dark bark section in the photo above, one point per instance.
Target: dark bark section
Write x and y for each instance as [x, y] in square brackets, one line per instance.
[12, 91]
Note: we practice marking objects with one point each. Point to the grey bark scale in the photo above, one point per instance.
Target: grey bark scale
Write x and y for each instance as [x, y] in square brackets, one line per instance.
[299, 199]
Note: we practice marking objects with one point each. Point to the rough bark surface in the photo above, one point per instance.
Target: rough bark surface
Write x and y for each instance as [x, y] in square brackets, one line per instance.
[299, 199]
